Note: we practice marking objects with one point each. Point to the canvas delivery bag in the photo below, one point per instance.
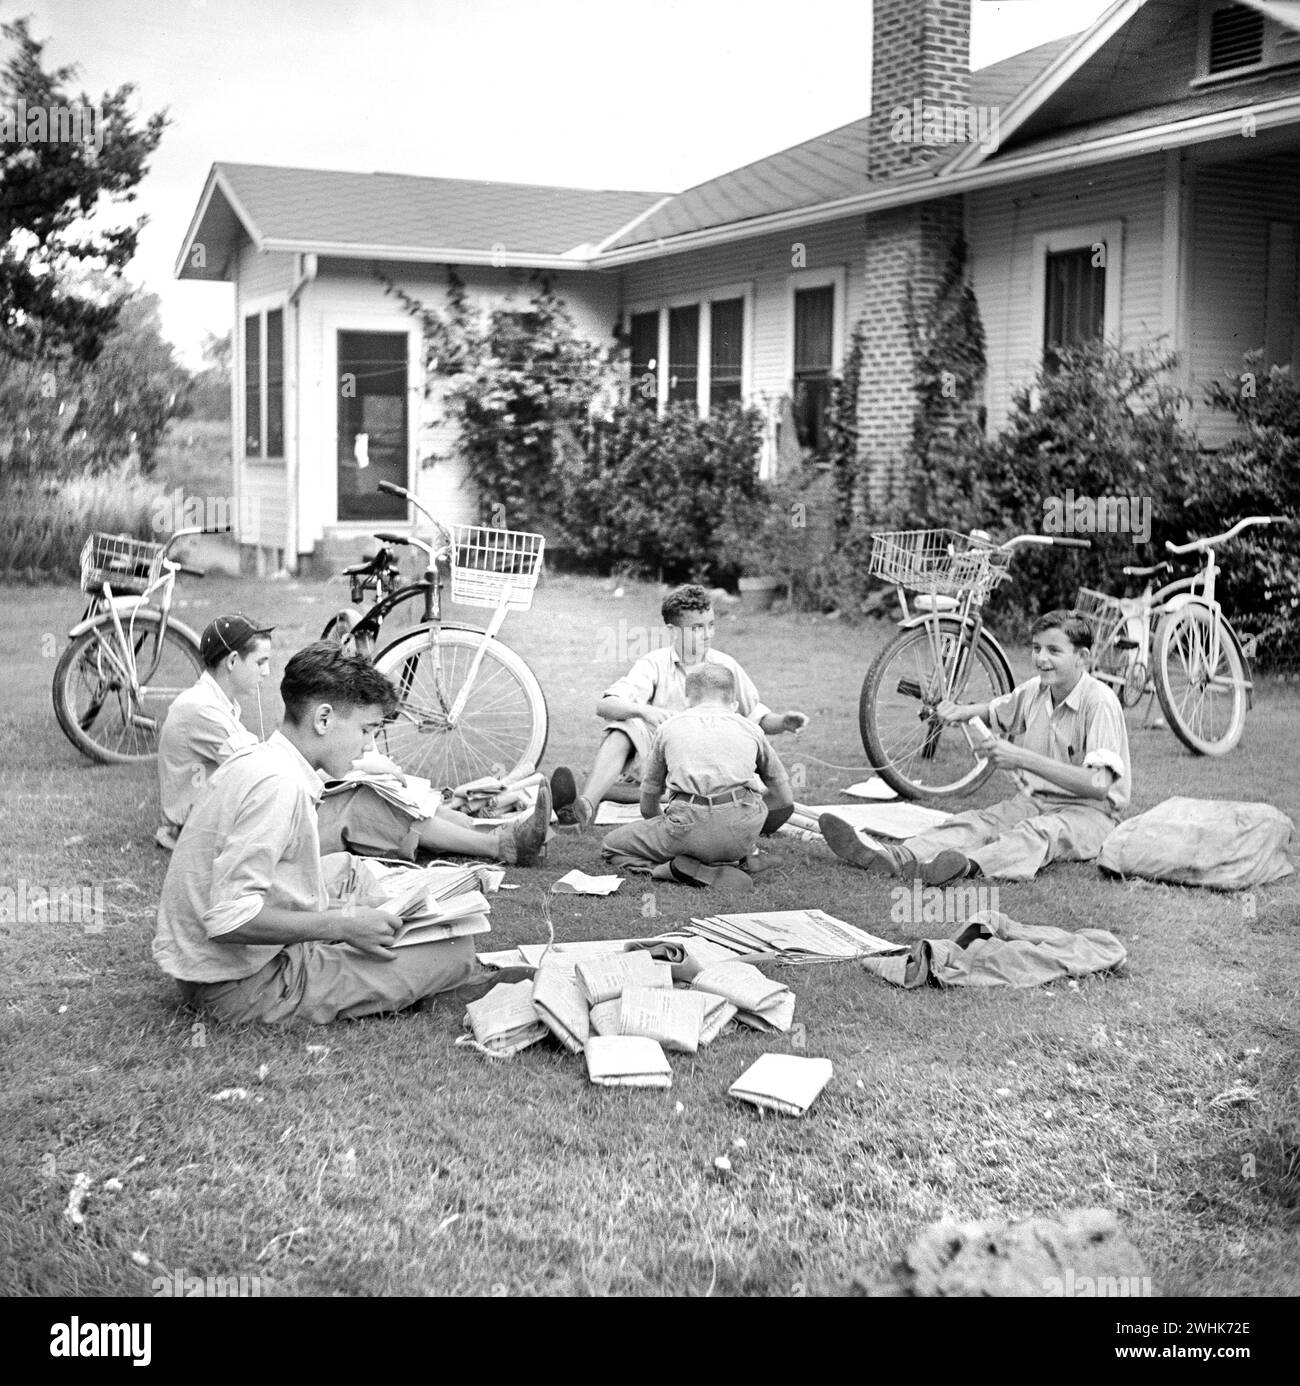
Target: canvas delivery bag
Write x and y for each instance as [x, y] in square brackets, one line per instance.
[1222, 844]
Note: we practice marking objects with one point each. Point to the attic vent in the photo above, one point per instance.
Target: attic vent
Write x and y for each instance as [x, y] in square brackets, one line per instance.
[1236, 38]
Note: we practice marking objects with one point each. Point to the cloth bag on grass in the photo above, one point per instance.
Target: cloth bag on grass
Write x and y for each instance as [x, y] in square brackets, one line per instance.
[1222, 844]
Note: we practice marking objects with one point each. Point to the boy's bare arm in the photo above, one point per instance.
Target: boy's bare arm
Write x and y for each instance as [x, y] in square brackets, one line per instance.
[367, 930]
[615, 709]
[774, 723]
[1088, 782]
[948, 711]
[650, 807]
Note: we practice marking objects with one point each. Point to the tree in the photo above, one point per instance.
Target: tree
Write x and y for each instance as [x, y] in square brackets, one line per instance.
[63, 161]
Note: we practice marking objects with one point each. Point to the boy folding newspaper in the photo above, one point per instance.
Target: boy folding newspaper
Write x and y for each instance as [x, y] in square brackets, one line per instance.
[710, 761]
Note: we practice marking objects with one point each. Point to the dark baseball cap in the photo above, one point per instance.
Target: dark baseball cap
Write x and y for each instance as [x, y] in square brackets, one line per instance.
[226, 634]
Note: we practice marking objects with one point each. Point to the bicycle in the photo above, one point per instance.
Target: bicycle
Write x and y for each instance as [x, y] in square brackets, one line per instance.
[470, 707]
[127, 658]
[944, 651]
[1175, 643]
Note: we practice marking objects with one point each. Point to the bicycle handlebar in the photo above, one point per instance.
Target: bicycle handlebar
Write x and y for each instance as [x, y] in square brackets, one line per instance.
[1202, 544]
[1046, 540]
[391, 488]
[190, 571]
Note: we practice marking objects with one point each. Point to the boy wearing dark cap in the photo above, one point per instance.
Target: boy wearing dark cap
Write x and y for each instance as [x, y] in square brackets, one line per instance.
[203, 727]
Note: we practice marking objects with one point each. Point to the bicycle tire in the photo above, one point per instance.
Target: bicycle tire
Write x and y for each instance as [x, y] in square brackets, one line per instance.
[900, 740]
[1186, 687]
[92, 703]
[503, 728]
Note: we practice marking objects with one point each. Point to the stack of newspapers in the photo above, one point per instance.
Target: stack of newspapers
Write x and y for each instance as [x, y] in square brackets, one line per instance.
[435, 902]
[791, 936]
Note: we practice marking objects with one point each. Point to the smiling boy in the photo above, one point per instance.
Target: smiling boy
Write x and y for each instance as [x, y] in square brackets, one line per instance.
[648, 694]
[1071, 761]
[244, 923]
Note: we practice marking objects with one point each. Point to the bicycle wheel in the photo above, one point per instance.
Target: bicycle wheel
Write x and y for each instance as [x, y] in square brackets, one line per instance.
[1205, 707]
[909, 749]
[98, 710]
[502, 727]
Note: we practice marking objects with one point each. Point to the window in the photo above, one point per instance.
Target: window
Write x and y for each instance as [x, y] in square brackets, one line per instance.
[814, 361]
[253, 386]
[644, 332]
[684, 354]
[1077, 277]
[1236, 40]
[264, 384]
[1075, 293]
[726, 352]
[703, 345]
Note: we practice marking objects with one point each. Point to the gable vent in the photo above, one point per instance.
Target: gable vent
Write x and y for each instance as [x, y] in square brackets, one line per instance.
[1236, 38]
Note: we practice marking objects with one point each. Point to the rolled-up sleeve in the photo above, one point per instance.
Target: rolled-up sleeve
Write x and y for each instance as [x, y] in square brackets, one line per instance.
[1007, 713]
[1105, 746]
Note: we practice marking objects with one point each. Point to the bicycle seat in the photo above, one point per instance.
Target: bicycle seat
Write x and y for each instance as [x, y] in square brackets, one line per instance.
[927, 601]
[1145, 572]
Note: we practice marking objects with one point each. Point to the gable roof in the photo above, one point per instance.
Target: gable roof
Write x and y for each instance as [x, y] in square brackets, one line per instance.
[396, 216]
[823, 169]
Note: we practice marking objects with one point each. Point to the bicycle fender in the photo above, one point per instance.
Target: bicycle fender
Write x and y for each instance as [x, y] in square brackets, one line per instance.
[913, 621]
[105, 617]
[442, 625]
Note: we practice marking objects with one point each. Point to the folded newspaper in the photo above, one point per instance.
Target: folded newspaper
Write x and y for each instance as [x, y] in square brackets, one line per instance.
[785, 1083]
[602, 979]
[674, 1018]
[629, 1061]
[560, 1003]
[504, 1021]
[760, 1002]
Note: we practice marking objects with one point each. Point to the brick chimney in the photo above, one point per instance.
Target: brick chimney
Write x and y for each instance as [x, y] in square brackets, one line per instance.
[920, 53]
[920, 56]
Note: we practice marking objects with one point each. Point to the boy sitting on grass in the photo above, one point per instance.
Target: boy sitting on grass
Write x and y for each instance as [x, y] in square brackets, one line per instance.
[1072, 764]
[245, 924]
[650, 692]
[706, 757]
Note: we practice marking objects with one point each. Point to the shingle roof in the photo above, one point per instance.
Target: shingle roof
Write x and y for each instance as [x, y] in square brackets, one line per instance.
[821, 169]
[321, 207]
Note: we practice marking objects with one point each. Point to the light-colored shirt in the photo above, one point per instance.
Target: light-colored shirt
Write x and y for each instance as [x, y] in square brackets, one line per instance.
[251, 840]
[202, 731]
[659, 679]
[1085, 729]
[708, 749]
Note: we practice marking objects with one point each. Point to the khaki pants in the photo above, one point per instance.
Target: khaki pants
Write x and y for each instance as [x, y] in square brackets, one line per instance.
[1013, 839]
[708, 832]
[320, 982]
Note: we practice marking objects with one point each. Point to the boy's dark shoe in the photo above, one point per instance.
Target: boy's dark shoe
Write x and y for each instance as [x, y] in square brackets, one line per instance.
[880, 858]
[525, 839]
[578, 814]
[689, 871]
[949, 865]
[482, 980]
[564, 788]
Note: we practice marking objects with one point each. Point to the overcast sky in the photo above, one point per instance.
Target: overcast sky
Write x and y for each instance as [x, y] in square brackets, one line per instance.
[647, 94]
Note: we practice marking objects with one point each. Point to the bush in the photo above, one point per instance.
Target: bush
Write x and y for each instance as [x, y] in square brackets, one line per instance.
[655, 494]
[47, 519]
[1258, 474]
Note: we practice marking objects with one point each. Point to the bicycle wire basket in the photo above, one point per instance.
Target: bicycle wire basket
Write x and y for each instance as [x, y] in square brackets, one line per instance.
[489, 565]
[941, 562]
[1106, 616]
[128, 565]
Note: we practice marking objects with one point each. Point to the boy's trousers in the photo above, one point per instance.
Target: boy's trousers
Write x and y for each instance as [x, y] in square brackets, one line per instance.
[707, 832]
[320, 982]
[1012, 839]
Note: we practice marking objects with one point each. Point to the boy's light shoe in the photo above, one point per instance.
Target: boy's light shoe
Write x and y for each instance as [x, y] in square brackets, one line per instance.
[690, 871]
[524, 841]
[167, 837]
[864, 852]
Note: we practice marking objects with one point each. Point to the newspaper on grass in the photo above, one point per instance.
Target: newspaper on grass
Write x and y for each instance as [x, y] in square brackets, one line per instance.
[562, 1007]
[579, 883]
[672, 1017]
[760, 1003]
[630, 1061]
[505, 1021]
[791, 935]
[785, 1083]
[602, 979]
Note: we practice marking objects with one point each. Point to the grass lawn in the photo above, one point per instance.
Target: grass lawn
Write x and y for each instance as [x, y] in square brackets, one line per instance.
[375, 1158]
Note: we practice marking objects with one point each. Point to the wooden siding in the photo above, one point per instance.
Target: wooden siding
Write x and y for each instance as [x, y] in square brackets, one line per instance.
[1003, 223]
[1228, 296]
[766, 262]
